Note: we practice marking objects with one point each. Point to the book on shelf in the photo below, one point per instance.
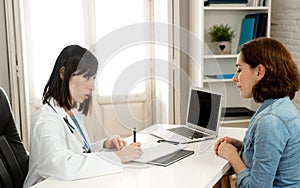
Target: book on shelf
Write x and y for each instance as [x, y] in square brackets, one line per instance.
[228, 5]
[247, 30]
[220, 76]
[227, 1]
[260, 24]
[253, 26]
[257, 3]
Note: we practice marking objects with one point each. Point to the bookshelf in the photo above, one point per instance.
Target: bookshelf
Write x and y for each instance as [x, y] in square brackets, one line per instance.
[205, 62]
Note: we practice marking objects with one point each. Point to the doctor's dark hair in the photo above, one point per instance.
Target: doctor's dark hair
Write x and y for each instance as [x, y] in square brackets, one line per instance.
[76, 61]
[281, 77]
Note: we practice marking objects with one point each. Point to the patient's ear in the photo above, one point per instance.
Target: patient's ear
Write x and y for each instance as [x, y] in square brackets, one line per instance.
[62, 73]
[261, 70]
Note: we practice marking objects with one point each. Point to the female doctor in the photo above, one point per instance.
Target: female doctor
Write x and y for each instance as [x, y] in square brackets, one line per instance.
[59, 144]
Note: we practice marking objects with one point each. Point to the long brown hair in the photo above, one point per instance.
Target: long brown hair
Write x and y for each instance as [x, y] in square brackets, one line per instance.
[281, 77]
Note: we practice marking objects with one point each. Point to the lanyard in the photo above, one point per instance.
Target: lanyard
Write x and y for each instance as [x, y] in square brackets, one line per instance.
[86, 145]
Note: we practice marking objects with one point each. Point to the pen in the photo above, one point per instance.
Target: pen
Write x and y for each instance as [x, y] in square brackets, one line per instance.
[134, 134]
[168, 141]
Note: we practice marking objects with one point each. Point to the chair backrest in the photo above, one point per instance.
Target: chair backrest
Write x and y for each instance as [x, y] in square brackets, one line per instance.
[13, 156]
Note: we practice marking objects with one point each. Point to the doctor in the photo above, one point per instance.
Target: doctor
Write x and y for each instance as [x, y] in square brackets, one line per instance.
[59, 144]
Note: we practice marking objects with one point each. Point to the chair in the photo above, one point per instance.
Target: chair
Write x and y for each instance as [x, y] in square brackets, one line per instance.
[13, 156]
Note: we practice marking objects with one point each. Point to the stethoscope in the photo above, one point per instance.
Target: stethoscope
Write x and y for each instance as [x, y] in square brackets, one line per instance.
[72, 129]
[69, 125]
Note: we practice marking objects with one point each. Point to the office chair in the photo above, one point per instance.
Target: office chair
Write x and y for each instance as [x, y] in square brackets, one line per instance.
[13, 156]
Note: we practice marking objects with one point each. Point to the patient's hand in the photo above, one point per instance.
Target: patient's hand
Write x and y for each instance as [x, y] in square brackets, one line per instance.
[235, 142]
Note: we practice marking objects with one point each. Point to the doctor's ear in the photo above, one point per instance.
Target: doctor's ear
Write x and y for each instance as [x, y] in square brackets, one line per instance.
[62, 73]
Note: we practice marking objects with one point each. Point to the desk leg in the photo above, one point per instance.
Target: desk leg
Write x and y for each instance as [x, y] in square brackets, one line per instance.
[224, 182]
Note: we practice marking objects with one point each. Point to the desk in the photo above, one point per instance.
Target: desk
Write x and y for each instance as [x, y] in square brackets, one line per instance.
[202, 169]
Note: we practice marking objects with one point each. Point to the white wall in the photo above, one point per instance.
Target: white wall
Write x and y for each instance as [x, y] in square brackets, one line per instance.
[286, 28]
[286, 25]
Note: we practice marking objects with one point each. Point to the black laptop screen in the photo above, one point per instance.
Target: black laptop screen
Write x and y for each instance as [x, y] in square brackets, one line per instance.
[204, 109]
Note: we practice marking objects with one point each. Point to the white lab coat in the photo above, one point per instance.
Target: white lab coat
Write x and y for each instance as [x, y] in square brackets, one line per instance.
[57, 152]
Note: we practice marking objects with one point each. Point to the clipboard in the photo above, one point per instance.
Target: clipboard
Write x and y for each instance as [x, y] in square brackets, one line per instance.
[171, 158]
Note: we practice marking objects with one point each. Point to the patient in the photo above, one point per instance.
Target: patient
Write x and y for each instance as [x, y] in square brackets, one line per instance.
[270, 154]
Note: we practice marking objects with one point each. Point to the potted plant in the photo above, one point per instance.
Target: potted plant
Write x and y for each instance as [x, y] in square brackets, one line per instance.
[221, 35]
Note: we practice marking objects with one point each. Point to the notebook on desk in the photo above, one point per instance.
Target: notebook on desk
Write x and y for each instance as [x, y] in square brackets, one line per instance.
[203, 119]
[172, 158]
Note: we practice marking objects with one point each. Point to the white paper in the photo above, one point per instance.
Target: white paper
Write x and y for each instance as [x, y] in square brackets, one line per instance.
[158, 150]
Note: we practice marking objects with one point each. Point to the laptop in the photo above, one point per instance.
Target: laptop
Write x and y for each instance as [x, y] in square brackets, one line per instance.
[202, 122]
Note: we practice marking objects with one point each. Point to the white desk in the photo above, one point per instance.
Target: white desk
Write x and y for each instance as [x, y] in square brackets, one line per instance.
[202, 169]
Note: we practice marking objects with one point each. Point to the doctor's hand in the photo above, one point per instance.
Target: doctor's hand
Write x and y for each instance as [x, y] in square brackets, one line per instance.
[116, 142]
[130, 152]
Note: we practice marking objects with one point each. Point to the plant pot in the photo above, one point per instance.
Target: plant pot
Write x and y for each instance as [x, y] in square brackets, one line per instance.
[223, 47]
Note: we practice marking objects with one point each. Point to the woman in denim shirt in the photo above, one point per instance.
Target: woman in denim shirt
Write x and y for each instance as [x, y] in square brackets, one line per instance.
[270, 152]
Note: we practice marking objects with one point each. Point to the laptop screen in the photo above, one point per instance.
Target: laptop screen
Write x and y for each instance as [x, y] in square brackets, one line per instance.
[204, 109]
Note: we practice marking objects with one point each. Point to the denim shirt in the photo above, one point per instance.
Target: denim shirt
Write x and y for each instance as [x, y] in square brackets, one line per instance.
[271, 147]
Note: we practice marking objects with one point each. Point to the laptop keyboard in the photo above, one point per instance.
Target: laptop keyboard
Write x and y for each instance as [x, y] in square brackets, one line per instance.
[189, 133]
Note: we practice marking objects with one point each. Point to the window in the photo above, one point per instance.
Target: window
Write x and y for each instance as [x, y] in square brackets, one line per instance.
[49, 30]
[119, 16]
[51, 25]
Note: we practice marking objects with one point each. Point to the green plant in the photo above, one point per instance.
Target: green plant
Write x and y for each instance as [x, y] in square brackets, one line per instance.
[221, 33]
